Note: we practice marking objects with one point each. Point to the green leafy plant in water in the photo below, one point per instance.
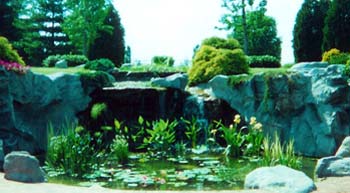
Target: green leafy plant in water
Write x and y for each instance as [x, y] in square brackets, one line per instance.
[233, 137]
[192, 130]
[254, 138]
[97, 109]
[276, 153]
[73, 153]
[161, 136]
[120, 149]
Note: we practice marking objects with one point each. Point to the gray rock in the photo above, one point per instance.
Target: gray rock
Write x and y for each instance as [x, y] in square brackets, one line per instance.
[22, 167]
[31, 102]
[332, 167]
[309, 104]
[61, 64]
[178, 81]
[279, 179]
[344, 149]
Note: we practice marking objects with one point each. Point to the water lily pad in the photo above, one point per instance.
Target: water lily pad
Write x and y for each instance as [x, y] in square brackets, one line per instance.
[183, 162]
[132, 185]
[211, 162]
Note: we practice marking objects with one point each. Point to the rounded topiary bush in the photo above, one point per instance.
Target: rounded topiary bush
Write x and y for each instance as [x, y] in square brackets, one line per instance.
[265, 61]
[326, 57]
[72, 60]
[7, 53]
[210, 61]
[163, 60]
[102, 64]
[221, 43]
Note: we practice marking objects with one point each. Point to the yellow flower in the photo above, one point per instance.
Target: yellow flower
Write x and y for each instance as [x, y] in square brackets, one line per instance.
[252, 121]
[231, 127]
[213, 131]
[237, 119]
[258, 127]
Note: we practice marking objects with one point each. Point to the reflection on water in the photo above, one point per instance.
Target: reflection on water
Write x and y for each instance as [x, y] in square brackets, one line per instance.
[204, 172]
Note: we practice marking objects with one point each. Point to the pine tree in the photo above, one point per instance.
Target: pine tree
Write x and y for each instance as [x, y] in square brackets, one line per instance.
[308, 30]
[337, 26]
[110, 45]
[8, 14]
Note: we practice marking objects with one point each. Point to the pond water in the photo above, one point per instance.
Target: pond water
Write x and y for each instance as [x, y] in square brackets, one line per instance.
[195, 172]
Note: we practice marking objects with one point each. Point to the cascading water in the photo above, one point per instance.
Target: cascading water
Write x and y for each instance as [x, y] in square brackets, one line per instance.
[194, 107]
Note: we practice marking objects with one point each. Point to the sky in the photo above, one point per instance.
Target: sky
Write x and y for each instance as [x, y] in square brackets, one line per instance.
[175, 27]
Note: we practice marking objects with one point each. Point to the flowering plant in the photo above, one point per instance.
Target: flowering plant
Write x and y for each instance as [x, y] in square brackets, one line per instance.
[14, 66]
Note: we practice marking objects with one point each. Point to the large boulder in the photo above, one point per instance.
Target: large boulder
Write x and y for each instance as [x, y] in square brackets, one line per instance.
[279, 179]
[22, 167]
[309, 104]
[332, 167]
[344, 149]
[178, 81]
[30, 103]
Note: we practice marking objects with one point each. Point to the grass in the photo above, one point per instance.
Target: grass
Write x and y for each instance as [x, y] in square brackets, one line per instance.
[153, 68]
[52, 70]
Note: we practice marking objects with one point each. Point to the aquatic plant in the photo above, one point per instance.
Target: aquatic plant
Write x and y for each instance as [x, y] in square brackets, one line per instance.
[120, 149]
[160, 136]
[253, 138]
[72, 153]
[97, 109]
[192, 130]
[276, 153]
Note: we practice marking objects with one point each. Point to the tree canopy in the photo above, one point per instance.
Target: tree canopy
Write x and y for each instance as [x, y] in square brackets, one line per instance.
[308, 30]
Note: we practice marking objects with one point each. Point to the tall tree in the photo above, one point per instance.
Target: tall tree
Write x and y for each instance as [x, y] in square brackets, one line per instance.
[41, 34]
[8, 13]
[85, 20]
[127, 55]
[261, 33]
[308, 30]
[337, 26]
[237, 17]
[110, 44]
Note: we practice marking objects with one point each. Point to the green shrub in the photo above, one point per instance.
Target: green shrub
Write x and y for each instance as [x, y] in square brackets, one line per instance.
[265, 61]
[327, 55]
[163, 60]
[346, 71]
[7, 53]
[340, 58]
[210, 61]
[221, 43]
[73, 153]
[93, 80]
[120, 149]
[97, 109]
[102, 64]
[72, 60]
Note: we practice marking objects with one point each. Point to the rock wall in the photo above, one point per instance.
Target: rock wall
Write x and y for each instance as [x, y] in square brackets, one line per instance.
[310, 104]
[30, 102]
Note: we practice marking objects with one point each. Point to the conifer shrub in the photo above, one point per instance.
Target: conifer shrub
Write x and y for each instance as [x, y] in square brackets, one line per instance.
[265, 61]
[326, 57]
[8, 54]
[102, 64]
[163, 60]
[72, 60]
[217, 56]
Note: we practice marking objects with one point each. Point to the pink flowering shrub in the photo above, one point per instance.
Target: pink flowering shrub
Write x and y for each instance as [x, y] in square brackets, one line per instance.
[14, 66]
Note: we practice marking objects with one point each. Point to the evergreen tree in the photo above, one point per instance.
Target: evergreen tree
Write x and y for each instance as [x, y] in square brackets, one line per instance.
[261, 33]
[110, 45]
[41, 34]
[84, 22]
[127, 55]
[308, 30]
[337, 26]
[8, 14]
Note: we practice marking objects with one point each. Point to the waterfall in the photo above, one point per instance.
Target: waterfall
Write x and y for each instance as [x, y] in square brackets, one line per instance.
[195, 107]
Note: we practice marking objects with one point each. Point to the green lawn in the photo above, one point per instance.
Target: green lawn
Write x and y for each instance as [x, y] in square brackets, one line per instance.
[52, 70]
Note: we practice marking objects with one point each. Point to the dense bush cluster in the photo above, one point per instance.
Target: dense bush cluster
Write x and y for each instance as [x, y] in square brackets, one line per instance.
[327, 55]
[163, 60]
[94, 80]
[8, 54]
[217, 56]
[265, 61]
[334, 56]
[102, 64]
[72, 60]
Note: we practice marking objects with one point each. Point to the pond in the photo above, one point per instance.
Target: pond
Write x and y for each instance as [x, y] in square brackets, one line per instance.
[193, 172]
